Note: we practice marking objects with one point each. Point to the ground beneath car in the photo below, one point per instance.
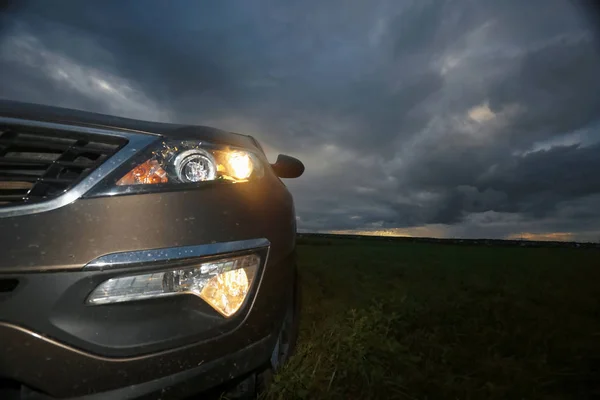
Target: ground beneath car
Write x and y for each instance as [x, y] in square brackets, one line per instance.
[435, 321]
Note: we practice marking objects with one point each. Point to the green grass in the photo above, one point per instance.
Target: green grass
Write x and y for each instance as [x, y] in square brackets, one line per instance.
[429, 321]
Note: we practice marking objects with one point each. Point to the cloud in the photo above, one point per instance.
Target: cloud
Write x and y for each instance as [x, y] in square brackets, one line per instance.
[481, 113]
[471, 120]
[548, 236]
[73, 83]
[417, 231]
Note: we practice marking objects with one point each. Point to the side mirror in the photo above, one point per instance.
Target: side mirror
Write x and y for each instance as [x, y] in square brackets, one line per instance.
[288, 167]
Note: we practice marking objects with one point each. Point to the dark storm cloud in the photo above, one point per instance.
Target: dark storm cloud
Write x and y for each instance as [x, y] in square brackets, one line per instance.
[553, 175]
[475, 118]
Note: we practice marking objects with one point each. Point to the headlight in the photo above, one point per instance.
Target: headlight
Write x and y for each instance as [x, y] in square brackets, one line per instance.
[192, 162]
[224, 284]
[181, 164]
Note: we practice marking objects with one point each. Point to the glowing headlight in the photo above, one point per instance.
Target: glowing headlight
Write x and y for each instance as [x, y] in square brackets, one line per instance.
[193, 162]
[240, 164]
[224, 284]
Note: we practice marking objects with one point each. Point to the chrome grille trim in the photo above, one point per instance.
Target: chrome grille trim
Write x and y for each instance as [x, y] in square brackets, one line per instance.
[136, 142]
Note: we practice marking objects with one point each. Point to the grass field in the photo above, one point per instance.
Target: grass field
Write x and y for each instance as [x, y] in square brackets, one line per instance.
[431, 321]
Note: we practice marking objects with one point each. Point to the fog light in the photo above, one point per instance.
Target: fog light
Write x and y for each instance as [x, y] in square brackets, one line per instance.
[226, 292]
[224, 284]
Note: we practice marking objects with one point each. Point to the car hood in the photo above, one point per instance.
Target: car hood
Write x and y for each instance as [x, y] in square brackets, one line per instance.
[38, 112]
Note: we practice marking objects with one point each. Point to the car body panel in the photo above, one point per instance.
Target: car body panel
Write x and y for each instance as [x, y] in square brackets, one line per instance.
[72, 236]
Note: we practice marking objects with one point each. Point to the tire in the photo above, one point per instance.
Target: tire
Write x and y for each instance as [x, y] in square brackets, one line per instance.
[288, 336]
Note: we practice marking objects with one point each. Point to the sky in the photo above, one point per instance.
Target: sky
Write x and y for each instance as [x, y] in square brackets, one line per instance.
[471, 119]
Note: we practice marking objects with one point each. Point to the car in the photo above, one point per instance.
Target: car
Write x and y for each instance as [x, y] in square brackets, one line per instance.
[140, 259]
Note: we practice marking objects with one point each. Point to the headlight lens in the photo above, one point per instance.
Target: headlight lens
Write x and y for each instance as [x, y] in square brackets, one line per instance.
[195, 166]
[179, 162]
[224, 284]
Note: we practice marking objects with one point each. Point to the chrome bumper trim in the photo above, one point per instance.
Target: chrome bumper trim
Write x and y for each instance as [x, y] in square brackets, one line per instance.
[130, 258]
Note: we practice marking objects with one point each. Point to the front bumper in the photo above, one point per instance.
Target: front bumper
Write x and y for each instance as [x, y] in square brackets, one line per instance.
[119, 374]
[50, 367]
[53, 343]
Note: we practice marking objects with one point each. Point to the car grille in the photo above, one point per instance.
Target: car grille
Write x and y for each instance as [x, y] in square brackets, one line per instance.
[39, 164]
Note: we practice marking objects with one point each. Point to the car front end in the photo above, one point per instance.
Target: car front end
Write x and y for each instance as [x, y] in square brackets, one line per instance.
[138, 259]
